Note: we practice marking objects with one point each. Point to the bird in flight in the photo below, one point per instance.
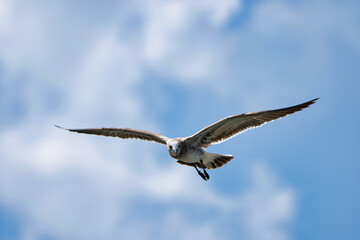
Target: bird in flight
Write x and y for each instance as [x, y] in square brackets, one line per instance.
[190, 150]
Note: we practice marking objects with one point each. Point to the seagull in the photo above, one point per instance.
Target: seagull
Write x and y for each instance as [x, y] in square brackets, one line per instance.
[190, 150]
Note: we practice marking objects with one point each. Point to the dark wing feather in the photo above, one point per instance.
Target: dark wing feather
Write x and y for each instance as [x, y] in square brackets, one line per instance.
[234, 125]
[123, 133]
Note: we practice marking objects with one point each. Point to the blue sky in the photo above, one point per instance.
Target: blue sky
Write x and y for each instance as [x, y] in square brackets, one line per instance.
[174, 67]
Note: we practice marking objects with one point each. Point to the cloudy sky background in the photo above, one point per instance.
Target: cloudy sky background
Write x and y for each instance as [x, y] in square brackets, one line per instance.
[174, 67]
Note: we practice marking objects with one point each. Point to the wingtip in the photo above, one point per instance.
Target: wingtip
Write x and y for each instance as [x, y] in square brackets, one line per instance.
[313, 101]
[61, 127]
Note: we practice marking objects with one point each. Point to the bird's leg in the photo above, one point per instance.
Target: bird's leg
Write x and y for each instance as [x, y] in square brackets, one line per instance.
[205, 172]
[200, 173]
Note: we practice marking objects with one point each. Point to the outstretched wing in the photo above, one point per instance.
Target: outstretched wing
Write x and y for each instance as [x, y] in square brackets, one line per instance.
[123, 133]
[234, 125]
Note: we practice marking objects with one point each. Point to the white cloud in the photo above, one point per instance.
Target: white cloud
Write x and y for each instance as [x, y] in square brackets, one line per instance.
[66, 186]
[108, 73]
[60, 190]
[268, 207]
[62, 183]
[177, 227]
[176, 39]
[4, 16]
[167, 23]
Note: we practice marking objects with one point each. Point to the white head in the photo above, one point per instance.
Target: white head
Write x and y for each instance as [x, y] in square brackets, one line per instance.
[174, 148]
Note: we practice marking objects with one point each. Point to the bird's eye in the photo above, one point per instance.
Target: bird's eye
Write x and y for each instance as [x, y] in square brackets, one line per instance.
[170, 147]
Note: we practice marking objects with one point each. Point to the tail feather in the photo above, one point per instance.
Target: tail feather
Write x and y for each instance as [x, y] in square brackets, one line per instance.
[213, 160]
[210, 161]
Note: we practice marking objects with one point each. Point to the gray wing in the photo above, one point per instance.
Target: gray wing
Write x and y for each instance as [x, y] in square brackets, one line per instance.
[234, 125]
[123, 133]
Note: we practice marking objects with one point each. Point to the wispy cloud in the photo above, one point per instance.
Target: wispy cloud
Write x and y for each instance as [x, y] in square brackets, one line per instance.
[64, 67]
[61, 191]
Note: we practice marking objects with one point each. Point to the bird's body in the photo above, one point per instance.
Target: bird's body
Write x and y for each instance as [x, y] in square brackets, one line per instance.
[190, 150]
[191, 155]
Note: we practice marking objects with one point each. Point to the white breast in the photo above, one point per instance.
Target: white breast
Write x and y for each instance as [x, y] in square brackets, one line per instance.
[193, 156]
